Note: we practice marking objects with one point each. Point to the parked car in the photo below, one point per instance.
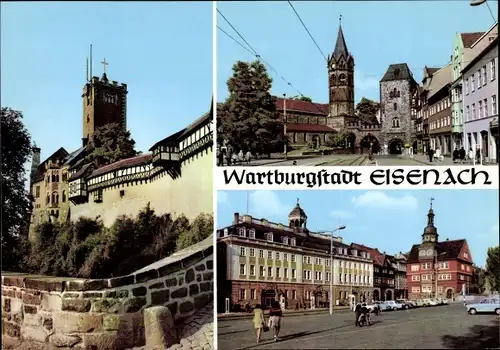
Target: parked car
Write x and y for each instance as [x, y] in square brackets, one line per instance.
[406, 303]
[420, 302]
[484, 306]
[393, 305]
[442, 301]
[430, 302]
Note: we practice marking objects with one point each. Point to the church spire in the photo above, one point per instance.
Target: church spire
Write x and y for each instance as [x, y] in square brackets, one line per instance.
[430, 232]
[340, 45]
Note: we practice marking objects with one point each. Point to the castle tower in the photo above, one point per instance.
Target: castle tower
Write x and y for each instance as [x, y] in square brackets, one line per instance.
[35, 162]
[340, 82]
[297, 217]
[104, 102]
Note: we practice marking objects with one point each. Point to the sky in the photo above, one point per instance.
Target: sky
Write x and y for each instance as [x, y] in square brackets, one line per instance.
[391, 221]
[378, 33]
[153, 47]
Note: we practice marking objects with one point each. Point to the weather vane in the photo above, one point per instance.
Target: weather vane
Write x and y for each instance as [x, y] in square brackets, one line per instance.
[432, 199]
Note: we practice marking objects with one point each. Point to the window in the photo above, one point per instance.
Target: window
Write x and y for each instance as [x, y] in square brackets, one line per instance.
[269, 237]
[485, 77]
[242, 232]
[252, 294]
[243, 294]
[294, 294]
[462, 267]
[226, 232]
[285, 272]
[415, 289]
[64, 196]
[294, 273]
[493, 105]
[252, 270]
[262, 272]
[415, 268]
[277, 272]
[252, 252]
[415, 278]
[395, 106]
[467, 113]
[479, 79]
[251, 233]
[37, 192]
[485, 101]
[269, 271]
[493, 72]
[466, 255]
[292, 241]
[269, 254]
[243, 269]
[473, 111]
[395, 122]
[243, 251]
[261, 253]
[472, 83]
[293, 257]
[467, 86]
[480, 106]
[285, 240]
[277, 256]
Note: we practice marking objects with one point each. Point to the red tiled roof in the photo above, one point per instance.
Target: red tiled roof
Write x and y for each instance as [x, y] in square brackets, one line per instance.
[308, 128]
[378, 257]
[470, 38]
[447, 250]
[124, 163]
[303, 106]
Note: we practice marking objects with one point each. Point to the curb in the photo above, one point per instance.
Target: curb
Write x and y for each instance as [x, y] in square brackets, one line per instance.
[222, 317]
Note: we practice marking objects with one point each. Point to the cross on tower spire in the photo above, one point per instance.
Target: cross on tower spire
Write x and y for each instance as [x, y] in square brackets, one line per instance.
[297, 201]
[431, 199]
[104, 63]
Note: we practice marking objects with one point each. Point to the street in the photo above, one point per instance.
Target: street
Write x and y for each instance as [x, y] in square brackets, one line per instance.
[440, 327]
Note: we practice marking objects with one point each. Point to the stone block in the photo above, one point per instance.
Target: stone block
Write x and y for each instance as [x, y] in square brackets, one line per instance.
[210, 264]
[48, 323]
[208, 276]
[31, 299]
[16, 305]
[200, 267]
[171, 268]
[84, 285]
[9, 293]
[201, 300]
[14, 281]
[44, 285]
[6, 316]
[6, 304]
[51, 302]
[92, 295]
[146, 276]
[112, 306]
[134, 304]
[64, 340]
[181, 280]
[139, 291]
[159, 327]
[193, 289]
[11, 329]
[70, 322]
[32, 320]
[192, 259]
[71, 295]
[190, 275]
[34, 334]
[173, 308]
[209, 251]
[18, 317]
[205, 287]
[160, 297]
[186, 307]
[179, 293]
[121, 281]
[30, 309]
[77, 305]
[111, 322]
[122, 294]
[199, 277]
[158, 285]
[104, 341]
[171, 282]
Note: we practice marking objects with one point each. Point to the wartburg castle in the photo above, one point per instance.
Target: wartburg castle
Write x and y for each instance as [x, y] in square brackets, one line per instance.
[66, 187]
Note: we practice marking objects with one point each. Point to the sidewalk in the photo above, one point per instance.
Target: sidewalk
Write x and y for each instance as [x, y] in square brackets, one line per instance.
[420, 158]
[287, 313]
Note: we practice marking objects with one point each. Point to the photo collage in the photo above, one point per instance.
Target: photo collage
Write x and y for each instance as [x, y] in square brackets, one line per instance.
[279, 194]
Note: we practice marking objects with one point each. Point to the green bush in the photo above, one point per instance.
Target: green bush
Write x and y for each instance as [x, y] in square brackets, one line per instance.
[88, 249]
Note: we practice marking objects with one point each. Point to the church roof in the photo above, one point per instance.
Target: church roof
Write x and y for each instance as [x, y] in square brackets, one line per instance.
[340, 45]
[446, 250]
[398, 71]
[298, 211]
[305, 107]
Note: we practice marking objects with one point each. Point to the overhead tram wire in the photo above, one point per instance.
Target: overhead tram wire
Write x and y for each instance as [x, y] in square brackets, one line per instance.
[307, 30]
[259, 57]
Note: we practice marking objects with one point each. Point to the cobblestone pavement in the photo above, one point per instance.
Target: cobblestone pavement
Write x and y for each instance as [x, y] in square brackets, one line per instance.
[440, 327]
[330, 160]
[197, 332]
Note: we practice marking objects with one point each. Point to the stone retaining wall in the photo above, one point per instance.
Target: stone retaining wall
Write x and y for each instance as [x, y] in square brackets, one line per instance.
[107, 313]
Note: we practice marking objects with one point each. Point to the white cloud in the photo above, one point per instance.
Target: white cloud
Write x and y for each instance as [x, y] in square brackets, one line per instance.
[364, 82]
[222, 197]
[342, 214]
[265, 204]
[377, 199]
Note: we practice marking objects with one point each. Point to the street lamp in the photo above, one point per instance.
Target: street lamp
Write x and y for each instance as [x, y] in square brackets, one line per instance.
[284, 123]
[479, 3]
[340, 228]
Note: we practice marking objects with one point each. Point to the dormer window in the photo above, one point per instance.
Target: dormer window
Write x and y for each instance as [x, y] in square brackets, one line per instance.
[368, 255]
[293, 242]
[345, 251]
[242, 232]
[251, 233]
[466, 255]
[269, 237]
[284, 240]
[226, 232]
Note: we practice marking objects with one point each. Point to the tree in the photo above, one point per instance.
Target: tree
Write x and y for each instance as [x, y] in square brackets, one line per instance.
[367, 109]
[248, 118]
[303, 98]
[110, 143]
[16, 206]
[493, 267]
[337, 139]
[478, 280]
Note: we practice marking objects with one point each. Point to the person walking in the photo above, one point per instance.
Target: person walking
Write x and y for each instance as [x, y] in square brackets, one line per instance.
[275, 315]
[258, 321]
[357, 312]
[430, 154]
[461, 154]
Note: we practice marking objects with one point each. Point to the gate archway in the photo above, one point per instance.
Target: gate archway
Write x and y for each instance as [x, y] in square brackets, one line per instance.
[370, 141]
[268, 297]
[388, 295]
[350, 142]
[396, 146]
[316, 141]
[376, 295]
[449, 293]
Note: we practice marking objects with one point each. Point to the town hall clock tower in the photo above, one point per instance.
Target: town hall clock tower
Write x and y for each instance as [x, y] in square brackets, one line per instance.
[341, 83]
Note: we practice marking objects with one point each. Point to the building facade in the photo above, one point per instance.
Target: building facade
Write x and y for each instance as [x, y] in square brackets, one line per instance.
[480, 101]
[260, 262]
[397, 89]
[438, 268]
[439, 111]
[66, 187]
[422, 118]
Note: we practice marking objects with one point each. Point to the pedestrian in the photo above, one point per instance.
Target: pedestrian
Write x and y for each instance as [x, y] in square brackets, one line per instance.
[241, 156]
[471, 154]
[456, 155]
[275, 315]
[220, 157]
[430, 154]
[248, 156]
[258, 321]
[357, 312]
[461, 154]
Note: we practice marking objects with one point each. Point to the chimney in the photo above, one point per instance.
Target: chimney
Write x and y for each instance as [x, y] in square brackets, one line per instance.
[35, 163]
[236, 219]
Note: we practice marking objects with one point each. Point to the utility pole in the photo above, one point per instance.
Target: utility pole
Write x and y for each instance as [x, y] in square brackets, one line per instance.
[284, 126]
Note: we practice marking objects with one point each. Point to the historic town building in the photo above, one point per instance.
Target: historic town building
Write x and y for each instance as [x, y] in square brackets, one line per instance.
[422, 118]
[438, 268]
[438, 105]
[398, 89]
[66, 187]
[313, 124]
[384, 273]
[261, 261]
[480, 100]
[398, 262]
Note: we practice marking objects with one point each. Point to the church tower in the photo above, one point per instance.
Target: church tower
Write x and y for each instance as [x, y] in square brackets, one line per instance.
[340, 82]
[429, 237]
[104, 102]
[297, 217]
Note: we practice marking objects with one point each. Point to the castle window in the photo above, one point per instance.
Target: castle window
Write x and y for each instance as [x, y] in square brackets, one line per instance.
[98, 196]
[64, 196]
[65, 177]
[48, 199]
[122, 193]
[88, 119]
[37, 192]
[342, 78]
[395, 106]
[395, 122]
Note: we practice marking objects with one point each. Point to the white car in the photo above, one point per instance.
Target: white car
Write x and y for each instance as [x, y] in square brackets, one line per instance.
[393, 305]
[430, 302]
